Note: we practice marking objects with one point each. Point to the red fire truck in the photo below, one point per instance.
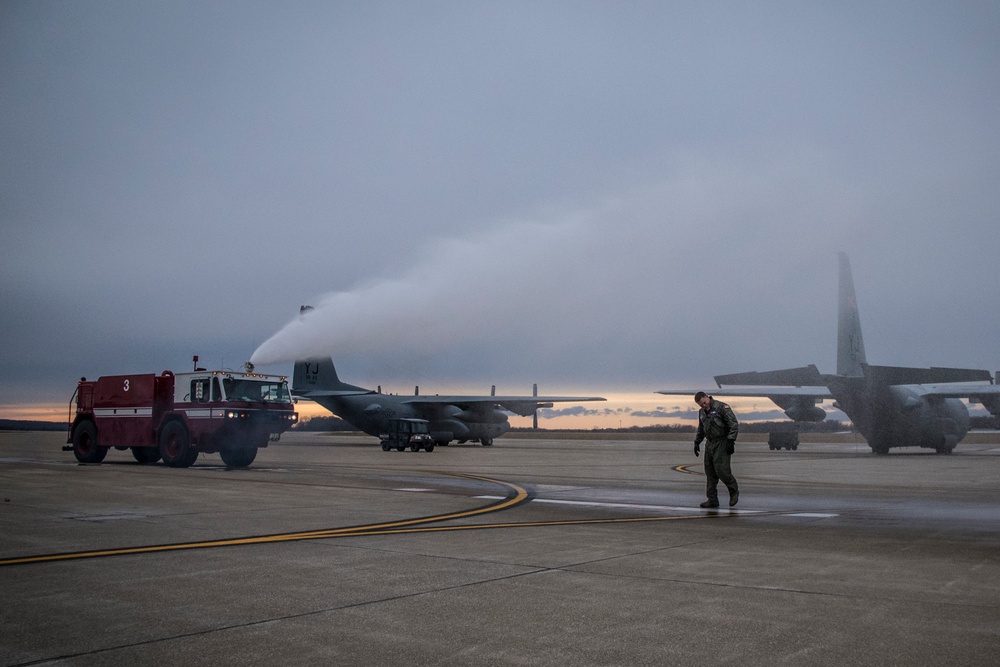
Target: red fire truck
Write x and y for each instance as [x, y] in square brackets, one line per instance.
[177, 416]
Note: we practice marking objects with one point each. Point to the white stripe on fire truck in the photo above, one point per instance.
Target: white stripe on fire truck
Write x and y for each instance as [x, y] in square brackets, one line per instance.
[123, 412]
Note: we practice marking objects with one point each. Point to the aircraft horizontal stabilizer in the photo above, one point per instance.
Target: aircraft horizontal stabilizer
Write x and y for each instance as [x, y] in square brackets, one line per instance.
[766, 391]
[794, 377]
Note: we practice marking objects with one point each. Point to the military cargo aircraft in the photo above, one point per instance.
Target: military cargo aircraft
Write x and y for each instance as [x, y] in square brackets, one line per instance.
[461, 418]
[890, 406]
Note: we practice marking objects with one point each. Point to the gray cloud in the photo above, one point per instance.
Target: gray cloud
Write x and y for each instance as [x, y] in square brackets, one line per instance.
[590, 196]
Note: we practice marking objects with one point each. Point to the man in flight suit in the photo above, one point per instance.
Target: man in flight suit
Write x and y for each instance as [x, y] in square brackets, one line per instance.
[718, 424]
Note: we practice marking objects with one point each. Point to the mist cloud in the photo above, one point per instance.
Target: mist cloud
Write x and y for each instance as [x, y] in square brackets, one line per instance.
[651, 265]
[457, 289]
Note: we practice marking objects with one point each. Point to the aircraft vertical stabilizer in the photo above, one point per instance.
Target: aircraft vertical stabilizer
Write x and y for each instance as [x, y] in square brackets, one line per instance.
[318, 375]
[850, 344]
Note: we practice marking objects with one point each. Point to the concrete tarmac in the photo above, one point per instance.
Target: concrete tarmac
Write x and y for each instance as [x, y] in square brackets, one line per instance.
[536, 551]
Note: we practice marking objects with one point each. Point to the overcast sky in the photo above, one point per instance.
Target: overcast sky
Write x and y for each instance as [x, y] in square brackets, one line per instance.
[616, 196]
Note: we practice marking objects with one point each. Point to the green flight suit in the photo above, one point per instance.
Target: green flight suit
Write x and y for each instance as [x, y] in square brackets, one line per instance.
[719, 426]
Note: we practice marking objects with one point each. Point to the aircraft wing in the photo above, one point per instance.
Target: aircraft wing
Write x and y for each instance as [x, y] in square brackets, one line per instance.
[519, 405]
[972, 390]
[901, 375]
[804, 382]
[799, 403]
[320, 393]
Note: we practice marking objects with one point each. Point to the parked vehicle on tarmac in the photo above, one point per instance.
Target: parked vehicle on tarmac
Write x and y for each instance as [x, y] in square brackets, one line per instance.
[177, 416]
[403, 433]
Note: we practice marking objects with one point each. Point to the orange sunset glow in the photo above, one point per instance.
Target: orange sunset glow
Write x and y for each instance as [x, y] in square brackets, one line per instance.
[621, 410]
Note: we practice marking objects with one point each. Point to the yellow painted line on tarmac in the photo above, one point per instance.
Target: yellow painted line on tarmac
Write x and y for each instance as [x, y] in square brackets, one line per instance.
[539, 524]
[516, 496]
[686, 469]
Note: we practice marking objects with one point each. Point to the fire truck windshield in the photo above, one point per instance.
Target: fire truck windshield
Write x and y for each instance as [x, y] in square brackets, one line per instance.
[256, 391]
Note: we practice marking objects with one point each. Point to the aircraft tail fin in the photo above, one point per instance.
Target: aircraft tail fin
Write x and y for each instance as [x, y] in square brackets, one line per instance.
[850, 345]
[319, 376]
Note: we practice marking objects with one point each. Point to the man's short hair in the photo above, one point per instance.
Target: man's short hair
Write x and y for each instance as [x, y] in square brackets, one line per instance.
[700, 395]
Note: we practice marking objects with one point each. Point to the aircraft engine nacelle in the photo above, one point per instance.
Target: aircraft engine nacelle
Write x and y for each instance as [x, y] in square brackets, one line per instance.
[481, 416]
[452, 428]
[448, 412]
[804, 413]
[800, 408]
[524, 408]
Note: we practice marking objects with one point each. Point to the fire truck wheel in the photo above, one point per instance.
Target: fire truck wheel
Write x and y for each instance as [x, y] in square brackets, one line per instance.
[146, 454]
[238, 457]
[85, 445]
[175, 446]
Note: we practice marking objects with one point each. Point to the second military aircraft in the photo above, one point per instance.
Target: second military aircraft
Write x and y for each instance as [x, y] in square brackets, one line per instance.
[461, 418]
[891, 406]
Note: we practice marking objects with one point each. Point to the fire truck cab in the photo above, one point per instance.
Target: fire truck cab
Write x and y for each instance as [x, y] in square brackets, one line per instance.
[176, 417]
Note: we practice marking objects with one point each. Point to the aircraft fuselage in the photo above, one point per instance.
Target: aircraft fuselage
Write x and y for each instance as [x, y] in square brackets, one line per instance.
[371, 413]
[899, 416]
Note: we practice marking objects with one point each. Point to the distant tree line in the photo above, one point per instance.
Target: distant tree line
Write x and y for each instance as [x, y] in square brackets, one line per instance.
[337, 424]
[988, 422]
[323, 424]
[31, 425]
[746, 427]
[313, 424]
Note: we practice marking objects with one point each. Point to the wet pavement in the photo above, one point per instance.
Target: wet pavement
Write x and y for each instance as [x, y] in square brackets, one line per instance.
[536, 551]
